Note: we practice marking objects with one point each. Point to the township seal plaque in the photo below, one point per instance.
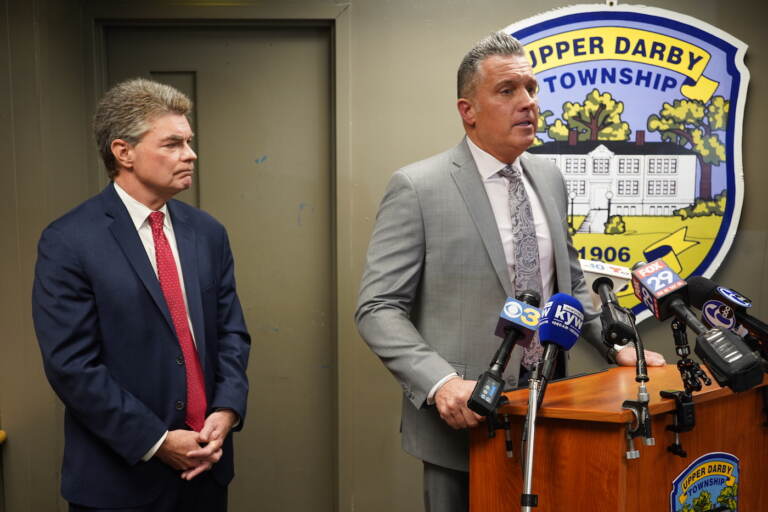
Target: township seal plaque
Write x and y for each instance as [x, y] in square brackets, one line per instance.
[642, 110]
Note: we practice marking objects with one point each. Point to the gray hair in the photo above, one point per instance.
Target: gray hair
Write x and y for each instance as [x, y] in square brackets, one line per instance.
[126, 111]
[498, 43]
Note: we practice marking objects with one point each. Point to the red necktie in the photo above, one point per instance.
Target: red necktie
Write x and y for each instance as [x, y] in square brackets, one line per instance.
[169, 283]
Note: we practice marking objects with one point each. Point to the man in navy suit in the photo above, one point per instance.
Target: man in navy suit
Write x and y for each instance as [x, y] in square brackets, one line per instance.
[141, 331]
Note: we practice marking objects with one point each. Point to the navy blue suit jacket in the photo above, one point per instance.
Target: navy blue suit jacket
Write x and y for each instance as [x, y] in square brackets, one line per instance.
[110, 351]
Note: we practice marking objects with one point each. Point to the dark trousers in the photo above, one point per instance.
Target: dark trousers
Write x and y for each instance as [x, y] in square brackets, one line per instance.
[201, 494]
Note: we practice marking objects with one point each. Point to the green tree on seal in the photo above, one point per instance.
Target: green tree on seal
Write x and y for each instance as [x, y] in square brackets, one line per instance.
[728, 496]
[598, 118]
[701, 503]
[694, 124]
[541, 126]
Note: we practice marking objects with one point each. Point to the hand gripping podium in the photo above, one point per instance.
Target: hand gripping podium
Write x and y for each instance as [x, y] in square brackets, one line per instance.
[581, 446]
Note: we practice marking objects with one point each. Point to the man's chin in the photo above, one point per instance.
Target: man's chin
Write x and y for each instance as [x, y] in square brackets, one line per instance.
[524, 144]
[184, 183]
[521, 144]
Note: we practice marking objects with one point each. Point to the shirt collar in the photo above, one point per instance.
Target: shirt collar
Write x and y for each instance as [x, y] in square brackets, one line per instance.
[139, 212]
[487, 164]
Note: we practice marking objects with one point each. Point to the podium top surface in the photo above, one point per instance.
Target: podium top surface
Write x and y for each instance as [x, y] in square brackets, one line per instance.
[598, 397]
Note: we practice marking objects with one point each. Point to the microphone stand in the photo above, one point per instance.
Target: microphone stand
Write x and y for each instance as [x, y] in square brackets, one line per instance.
[619, 328]
[639, 407]
[537, 385]
[528, 500]
[690, 371]
[684, 418]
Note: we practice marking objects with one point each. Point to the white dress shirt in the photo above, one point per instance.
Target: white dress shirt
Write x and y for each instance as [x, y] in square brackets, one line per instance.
[496, 187]
[139, 213]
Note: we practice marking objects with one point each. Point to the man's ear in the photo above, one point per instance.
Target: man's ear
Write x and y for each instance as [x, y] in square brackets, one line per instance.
[466, 111]
[123, 153]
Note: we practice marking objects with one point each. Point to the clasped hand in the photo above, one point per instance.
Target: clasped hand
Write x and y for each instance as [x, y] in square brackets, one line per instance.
[195, 452]
[451, 402]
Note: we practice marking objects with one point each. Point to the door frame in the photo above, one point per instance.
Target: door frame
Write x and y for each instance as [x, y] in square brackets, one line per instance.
[98, 14]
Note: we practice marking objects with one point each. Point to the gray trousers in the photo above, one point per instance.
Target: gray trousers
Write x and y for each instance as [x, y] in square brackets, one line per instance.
[445, 490]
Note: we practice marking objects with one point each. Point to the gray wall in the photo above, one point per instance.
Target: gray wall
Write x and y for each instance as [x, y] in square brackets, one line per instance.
[395, 104]
[43, 150]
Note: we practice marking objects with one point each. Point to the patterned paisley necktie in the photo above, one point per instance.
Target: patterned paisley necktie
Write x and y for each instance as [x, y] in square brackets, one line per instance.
[526, 250]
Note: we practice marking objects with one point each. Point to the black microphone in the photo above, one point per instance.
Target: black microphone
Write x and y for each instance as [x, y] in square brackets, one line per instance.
[618, 326]
[728, 358]
[723, 307]
[617, 322]
[517, 323]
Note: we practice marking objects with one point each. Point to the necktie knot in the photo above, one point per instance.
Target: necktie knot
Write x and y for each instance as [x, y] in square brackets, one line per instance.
[510, 172]
[156, 220]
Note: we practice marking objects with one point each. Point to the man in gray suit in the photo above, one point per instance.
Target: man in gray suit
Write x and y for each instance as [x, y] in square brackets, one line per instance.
[454, 235]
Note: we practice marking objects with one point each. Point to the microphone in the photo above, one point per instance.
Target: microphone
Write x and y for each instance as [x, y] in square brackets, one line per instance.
[728, 358]
[594, 270]
[618, 326]
[517, 323]
[602, 278]
[559, 328]
[723, 307]
[657, 286]
[519, 318]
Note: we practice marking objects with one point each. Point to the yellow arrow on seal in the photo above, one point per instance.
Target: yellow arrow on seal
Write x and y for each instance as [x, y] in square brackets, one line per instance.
[669, 247]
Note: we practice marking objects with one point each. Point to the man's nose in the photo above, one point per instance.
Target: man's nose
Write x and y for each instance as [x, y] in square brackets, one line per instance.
[529, 100]
[189, 153]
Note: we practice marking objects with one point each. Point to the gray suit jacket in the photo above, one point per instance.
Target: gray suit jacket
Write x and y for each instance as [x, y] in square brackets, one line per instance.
[436, 279]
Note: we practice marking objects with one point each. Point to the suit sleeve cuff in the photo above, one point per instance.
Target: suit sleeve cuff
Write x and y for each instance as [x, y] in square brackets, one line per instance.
[436, 387]
[153, 450]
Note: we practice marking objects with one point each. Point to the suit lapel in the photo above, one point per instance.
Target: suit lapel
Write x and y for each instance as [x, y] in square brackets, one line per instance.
[127, 237]
[470, 185]
[186, 242]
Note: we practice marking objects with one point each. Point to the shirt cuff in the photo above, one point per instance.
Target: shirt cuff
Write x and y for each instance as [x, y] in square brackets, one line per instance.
[153, 450]
[436, 387]
[613, 351]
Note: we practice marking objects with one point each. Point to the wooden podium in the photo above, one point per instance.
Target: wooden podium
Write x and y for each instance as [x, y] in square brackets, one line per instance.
[580, 459]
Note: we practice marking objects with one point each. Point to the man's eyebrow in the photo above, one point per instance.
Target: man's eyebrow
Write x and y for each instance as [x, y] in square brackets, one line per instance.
[175, 137]
[518, 80]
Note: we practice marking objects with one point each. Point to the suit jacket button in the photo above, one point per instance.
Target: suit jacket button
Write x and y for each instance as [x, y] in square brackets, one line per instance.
[180, 360]
[179, 405]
